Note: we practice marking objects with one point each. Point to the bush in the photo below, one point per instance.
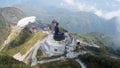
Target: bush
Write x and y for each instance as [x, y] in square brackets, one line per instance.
[94, 61]
[9, 62]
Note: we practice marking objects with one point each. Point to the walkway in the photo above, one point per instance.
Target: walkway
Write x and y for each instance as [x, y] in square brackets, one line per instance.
[81, 63]
[51, 60]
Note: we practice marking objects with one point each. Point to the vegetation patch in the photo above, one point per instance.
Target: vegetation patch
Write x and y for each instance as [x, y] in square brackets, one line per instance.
[21, 38]
[8, 62]
[4, 31]
[40, 56]
[69, 63]
[85, 38]
[30, 42]
[95, 61]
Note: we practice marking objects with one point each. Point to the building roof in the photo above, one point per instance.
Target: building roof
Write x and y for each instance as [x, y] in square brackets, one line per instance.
[25, 21]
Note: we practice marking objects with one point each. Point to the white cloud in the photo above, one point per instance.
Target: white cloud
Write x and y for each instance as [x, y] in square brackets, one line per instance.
[99, 12]
[118, 0]
[118, 24]
[69, 2]
[81, 6]
[112, 14]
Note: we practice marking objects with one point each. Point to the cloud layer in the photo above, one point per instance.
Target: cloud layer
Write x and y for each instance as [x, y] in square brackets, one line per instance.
[93, 7]
[105, 8]
[81, 6]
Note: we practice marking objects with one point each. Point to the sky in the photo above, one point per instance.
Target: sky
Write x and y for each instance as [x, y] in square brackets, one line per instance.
[104, 8]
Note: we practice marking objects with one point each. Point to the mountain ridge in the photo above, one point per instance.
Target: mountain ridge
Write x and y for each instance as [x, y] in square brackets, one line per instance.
[81, 22]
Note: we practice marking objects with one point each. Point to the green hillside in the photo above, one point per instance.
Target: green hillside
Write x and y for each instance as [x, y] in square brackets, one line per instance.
[4, 31]
[22, 42]
[107, 41]
[69, 63]
[11, 14]
[9, 62]
[94, 61]
[103, 57]
[8, 17]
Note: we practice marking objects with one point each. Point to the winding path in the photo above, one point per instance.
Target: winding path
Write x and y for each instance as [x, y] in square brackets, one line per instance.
[81, 63]
[51, 60]
[34, 59]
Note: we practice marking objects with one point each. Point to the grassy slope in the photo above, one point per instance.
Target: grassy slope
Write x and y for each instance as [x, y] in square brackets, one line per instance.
[8, 15]
[85, 38]
[40, 56]
[107, 42]
[4, 31]
[105, 39]
[9, 62]
[99, 60]
[103, 50]
[2, 24]
[23, 41]
[94, 61]
[34, 38]
[69, 63]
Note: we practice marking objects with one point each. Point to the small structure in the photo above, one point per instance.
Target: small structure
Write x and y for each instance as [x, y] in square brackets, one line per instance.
[42, 26]
[32, 24]
[33, 27]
